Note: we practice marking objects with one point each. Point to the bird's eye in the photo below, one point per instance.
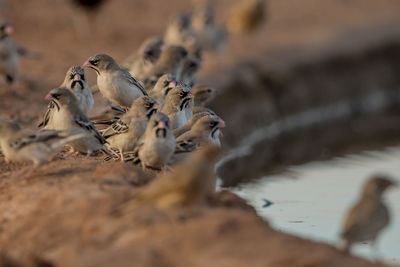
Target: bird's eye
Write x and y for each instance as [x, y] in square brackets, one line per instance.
[94, 62]
[149, 53]
[82, 76]
[209, 90]
[71, 76]
[56, 96]
[213, 124]
[165, 83]
[155, 123]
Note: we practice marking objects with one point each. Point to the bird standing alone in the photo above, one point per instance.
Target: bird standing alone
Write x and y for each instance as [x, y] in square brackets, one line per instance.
[369, 215]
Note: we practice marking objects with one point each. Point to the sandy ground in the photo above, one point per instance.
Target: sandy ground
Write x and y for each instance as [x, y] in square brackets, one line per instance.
[64, 213]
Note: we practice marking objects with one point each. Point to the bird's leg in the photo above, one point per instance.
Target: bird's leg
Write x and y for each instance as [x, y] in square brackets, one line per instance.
[114, 153]
[71, 152]
[89, 153]
[122, 154]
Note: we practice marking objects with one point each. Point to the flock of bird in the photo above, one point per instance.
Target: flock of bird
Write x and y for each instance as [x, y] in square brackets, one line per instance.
[161, 115]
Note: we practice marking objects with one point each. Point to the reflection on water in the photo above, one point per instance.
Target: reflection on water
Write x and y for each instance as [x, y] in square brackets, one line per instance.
[311, 200]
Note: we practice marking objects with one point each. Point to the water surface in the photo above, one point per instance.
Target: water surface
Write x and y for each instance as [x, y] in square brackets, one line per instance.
[311, 200]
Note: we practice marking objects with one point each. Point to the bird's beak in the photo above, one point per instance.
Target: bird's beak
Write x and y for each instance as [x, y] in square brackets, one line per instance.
[9, 29]
[48, 96]
[77, 77]
[190, 95]
[161, 124]
[163, 46]
[157, 105]
[87, 64]
[221, 123]
[173, 83]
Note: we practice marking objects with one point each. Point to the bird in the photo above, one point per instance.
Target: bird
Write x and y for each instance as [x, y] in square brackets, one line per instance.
[190, 67]
[27, 145]
[203, 94]
[88, 5]
[157, 144]
[115, 83]
[171, 61]
[206, 130]
[187, 186]
[246, 16]
[85, 26]
[369, 215]
[177, 105]
[164, 84]
[10, 54]
[199, 109]
[188, 125]
[124, 133]
[179, 31]
[209, 35]
[147, 54]
[75, 80]
[72, 120]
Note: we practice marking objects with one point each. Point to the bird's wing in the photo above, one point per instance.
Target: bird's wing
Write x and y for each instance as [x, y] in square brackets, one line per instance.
[118, 127]
[133, 81]
[358, 218]
[85, 123]
[185, 145]
[50, 109]
[28, 137]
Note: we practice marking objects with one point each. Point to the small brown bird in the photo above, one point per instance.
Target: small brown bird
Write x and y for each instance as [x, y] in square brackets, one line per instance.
[157, 144]
[369, 216]
[9, 54]
[246, 16]
[206, 130]
[91, 9]
[89, 6]
[178, 105]
[164, 84]
[171, 62]
[179, 31]
[29, 145]
[115, 83]
[75, 80]
[203, 94]
[124, 133]
[71, 120]
[199, 109]
[189, 70]
[146, 56]
[189, 124]
[188, 185]
[209, 35]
